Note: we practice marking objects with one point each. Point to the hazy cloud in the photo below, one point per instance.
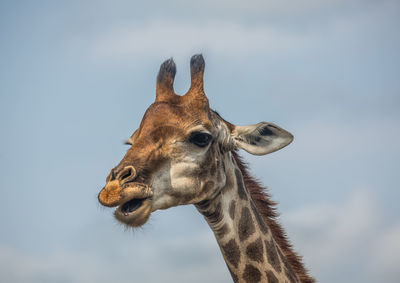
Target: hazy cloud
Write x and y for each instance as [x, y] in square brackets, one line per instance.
[342, 241]
[155, 259]
[325, 70]
[334, 238]
[385, 257]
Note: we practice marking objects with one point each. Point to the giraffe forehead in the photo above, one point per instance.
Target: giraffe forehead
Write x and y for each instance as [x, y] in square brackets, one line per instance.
[175, 117]
[164, 122]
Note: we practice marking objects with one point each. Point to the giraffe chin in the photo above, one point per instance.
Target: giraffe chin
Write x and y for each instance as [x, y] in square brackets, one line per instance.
[134, 213]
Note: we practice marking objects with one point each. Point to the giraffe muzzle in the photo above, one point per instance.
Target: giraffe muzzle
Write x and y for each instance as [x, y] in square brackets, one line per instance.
[133, 201]
[115, 194]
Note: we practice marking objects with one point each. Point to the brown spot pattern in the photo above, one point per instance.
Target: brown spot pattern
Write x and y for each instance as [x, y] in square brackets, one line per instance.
[213, 169]
[272, 255]
[240, 184]
[271, 278]
[246, 226]
[255, 250]
[232, 208]
[290, 274]
[221, 232]
[208, 186]
[261, 223]
[213, 215]
[251, 274]
[231, 252]
[266, 207]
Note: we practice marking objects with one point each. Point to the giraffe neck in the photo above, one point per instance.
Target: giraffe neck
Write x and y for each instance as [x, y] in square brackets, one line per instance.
[245, 240]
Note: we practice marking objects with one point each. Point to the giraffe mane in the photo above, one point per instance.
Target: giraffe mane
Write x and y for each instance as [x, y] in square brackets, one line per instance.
[267, 209]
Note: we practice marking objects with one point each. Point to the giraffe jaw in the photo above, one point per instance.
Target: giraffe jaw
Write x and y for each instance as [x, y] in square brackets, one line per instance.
[134, 212]
[134, 201]
[135, 205]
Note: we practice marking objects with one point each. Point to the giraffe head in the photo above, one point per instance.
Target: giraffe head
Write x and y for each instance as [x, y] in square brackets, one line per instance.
[176, 155]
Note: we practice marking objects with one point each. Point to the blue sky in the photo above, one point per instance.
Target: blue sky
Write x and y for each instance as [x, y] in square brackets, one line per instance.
[77, 76]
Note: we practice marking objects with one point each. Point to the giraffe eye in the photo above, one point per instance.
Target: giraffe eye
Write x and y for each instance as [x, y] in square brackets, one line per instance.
[200, 139]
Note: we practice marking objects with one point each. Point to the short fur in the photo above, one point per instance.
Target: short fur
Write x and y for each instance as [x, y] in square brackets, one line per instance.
[162, 138]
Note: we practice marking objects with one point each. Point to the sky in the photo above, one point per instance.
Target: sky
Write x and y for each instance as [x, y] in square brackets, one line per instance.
[77, 76]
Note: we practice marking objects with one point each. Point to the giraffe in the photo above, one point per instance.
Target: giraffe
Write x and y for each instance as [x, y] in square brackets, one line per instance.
[185, 153]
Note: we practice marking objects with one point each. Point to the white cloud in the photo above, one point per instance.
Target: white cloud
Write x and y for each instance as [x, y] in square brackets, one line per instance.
[156, 259]
[333, 237]
[65, 266]
[343, 242]
[385, 255]
[329, 230]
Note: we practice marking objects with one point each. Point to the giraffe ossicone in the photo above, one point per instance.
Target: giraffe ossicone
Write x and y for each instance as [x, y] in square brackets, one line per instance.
[185, 153]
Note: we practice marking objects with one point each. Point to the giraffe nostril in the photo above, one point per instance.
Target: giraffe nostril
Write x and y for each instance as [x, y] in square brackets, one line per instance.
[127, 174]
[111, 176]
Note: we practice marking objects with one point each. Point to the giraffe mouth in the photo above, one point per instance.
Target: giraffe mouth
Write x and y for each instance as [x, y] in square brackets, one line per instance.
[135, 207]
[131, 206]
[134, 212]
[133, 201]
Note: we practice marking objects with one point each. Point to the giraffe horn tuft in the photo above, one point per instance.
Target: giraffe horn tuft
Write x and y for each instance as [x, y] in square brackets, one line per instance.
[165, 80]
[197, 65]
[196, 91]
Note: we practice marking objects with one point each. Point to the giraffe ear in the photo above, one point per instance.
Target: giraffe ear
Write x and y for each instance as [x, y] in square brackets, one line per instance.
[261, 138]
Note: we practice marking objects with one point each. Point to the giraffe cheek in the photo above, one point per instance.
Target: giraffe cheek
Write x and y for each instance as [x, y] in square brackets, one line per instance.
[184, 184]
[185, 189]
[184, 181]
